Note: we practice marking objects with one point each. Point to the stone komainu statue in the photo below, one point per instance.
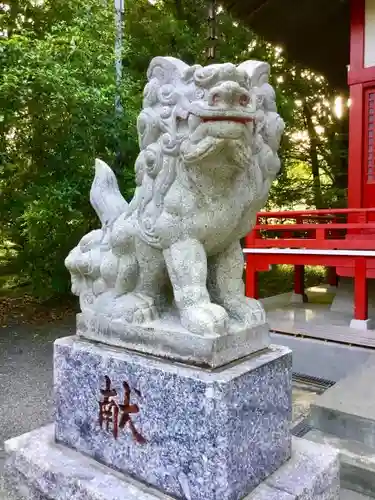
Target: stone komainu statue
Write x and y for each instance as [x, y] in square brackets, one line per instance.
[209, 138]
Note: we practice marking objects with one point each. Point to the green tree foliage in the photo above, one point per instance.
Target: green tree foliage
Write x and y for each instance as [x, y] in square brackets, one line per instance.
[316, 142]
[57, 113]
[57, 101]
[315, 146]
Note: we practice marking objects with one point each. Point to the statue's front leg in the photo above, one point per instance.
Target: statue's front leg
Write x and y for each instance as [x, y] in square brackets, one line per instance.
[187, 268]
[226, 287]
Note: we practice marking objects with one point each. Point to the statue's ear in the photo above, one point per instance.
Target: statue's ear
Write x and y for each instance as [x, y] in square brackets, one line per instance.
[258, 72]
[166, 70]
[259, 75]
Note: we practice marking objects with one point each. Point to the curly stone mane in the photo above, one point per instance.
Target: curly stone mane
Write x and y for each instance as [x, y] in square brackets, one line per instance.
[160, 135]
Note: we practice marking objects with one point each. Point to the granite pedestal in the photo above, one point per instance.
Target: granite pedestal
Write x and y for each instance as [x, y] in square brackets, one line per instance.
[130, 426]
[220, 432]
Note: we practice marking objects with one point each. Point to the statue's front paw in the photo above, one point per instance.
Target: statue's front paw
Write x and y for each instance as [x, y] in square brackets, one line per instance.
[205, 319]
[248, 311]
[145, 310]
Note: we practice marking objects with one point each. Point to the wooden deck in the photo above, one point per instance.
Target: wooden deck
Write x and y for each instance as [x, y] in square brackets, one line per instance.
[315, 320]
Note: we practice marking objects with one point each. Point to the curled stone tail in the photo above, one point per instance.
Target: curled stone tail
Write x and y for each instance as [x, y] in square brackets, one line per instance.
[105, 195]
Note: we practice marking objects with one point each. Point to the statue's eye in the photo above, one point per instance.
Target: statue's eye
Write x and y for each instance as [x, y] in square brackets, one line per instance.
[199, 93]
[244, 100]
[166, 112]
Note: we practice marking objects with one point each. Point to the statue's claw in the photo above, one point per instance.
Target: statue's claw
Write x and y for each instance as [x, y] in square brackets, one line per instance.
[205, 319]
[146, 311]
[245, 310]
[145, 315]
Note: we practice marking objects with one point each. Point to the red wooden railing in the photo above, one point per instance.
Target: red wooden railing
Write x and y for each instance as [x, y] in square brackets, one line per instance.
[349, 232]
[315, 229]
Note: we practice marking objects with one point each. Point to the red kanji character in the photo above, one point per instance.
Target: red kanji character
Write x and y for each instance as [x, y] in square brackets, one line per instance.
[108, 408]
[126, 409]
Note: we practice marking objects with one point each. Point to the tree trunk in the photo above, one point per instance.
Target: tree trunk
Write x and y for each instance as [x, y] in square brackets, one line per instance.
[14, 10]
[314, 161]
[342, 138]
[179, 10]
[212, 37]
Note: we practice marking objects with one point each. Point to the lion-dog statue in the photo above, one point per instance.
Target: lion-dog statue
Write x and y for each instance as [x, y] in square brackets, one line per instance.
[209, 138]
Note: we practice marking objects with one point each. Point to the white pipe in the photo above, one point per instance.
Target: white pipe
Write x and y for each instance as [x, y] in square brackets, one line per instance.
[119, 11]
[308, 251]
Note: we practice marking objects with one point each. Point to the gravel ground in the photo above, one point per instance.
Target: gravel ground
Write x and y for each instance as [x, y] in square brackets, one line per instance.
[26, 378]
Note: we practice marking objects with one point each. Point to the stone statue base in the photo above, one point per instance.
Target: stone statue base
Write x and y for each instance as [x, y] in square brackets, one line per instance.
[40, 469]
[218, 433]
[168, 339]
[186, 432]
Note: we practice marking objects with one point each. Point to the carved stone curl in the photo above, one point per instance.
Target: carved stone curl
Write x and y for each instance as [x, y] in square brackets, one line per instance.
[209, 138]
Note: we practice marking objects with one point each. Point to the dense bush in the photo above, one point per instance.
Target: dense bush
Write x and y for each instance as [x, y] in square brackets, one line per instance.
[57, 100]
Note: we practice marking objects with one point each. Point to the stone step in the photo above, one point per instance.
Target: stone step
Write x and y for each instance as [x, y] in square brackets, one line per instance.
[352, 495]
[347, 410]
[38, 468]
[357, 471]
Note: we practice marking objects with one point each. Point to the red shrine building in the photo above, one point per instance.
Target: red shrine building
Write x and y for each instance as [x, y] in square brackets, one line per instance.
[337, 39]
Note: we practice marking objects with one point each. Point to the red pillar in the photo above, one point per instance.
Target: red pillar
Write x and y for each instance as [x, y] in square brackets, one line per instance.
[251, 275]
[331, 276]
[355, 77]
[299, 280]
[251, 284]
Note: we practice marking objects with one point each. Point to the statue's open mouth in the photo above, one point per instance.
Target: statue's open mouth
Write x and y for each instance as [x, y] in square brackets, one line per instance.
[236, 119]
[235, 114]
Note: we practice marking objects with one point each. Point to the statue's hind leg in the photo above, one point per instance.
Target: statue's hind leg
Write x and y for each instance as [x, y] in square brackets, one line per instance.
[136, 296]
[226, 287]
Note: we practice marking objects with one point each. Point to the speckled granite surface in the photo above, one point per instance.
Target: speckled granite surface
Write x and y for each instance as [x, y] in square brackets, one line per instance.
[209, 435]
[40, 470]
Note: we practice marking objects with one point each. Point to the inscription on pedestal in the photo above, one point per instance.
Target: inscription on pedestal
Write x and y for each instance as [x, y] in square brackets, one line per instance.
[117, 415]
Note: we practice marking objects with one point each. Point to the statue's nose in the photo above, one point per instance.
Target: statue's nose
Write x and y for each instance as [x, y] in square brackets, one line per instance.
[228, 94]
